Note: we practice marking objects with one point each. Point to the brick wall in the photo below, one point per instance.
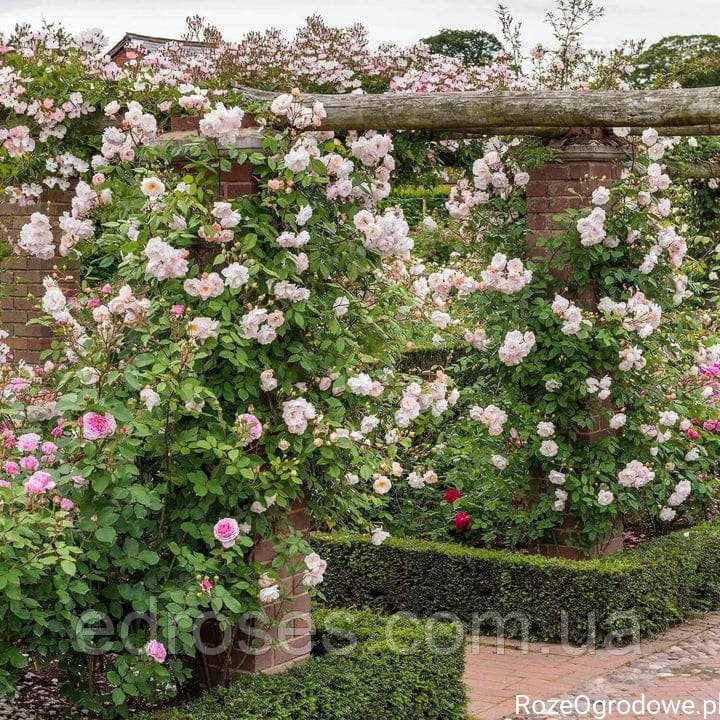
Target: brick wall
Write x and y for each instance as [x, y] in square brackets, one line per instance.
[21, 279]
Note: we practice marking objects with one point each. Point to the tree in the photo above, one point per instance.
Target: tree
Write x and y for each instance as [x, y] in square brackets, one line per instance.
[473, 47]
[678, 58]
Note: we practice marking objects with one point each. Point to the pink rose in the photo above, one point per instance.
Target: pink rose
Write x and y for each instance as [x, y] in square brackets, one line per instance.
[226, 531]
[28, 442]
[693, 434]
[11, 468]
[206, 585]
[97, 426]
[29, 463]
[48, 448]
[250, 427]
[67, 504]
[156, 650]
[39, 482]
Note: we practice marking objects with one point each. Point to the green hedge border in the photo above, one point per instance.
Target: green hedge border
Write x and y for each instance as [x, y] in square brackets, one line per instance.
[662, 582]
[372, 681]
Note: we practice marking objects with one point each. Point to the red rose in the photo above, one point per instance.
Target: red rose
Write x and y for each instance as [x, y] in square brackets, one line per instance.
[462, 521]
[452, 495]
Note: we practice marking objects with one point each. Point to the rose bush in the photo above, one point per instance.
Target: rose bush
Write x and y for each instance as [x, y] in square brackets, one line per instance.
[224, 359]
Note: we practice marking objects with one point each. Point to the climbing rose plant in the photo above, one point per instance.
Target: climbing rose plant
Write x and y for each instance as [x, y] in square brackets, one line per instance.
[223, 360]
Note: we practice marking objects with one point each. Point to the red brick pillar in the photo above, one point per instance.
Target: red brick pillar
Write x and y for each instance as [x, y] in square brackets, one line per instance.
[569, 184]
[21, 285]
[280, 636]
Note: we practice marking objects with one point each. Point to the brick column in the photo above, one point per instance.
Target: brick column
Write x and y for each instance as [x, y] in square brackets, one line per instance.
[21, 286]
[281, 637]
[587, 161]
[569, 184]
[565, 185]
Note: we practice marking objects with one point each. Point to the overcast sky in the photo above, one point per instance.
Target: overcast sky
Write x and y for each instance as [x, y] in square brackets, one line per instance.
[402, 21]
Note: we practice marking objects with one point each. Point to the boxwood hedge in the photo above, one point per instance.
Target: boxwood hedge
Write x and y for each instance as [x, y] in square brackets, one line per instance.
[660, 582]
[372, 681]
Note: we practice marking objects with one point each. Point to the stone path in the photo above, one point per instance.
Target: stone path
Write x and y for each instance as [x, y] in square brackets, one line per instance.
[683, 665]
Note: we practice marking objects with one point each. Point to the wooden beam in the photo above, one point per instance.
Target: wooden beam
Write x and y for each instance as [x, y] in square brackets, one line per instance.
[489, 112]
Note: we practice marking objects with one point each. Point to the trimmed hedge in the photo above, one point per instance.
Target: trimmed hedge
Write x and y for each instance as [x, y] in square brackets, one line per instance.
[411, 200]
[662, 582]
[372, 681]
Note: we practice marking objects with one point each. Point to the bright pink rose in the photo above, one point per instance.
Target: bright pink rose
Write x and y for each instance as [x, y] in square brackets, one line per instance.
[11, 468]
[28, 442]
[177, 309]
[206, 585]
[97, 426]
[226, 531]
[49, 448]
[693, 434]
[156, 650]
[29, 463]
[57, 431]
[39, 482]
[67, 504]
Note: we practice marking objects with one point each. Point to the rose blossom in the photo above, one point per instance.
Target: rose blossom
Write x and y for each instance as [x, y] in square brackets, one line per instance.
[226, 531]
[156, 650]
[97, 426]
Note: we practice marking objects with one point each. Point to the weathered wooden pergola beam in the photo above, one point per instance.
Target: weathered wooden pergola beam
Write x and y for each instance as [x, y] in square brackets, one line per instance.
[488, 112]
[558, 132]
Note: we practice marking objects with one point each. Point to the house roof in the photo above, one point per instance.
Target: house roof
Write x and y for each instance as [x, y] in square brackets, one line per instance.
[151, 43]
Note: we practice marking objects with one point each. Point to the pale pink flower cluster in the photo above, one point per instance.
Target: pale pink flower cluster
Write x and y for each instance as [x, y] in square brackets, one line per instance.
[371, 148]
[261, 325]
[293, 240]
[600, 387]
[681, 492]
[203, 328]
[561, 497]
[298, 115]
[36, 237]
[285, 290]
[133, 310]
[477, 338]
[296, 414]
[236, 275]
[506, 276]
[386, 234]
[491, 416]
[17, 141]
[165, 261]
[631, 358]
[592, 228]
[635, 475]
[516, 346]
[316, 567]
[362, 384]
[570, 314]
[208, 285]
[463, 199]
[434, 397]
[223, 124]
[639, 314]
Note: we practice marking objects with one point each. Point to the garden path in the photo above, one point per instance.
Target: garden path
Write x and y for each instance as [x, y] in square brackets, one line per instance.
[682, 664]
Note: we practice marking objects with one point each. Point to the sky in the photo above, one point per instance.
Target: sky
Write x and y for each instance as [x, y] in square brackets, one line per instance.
[401, 21]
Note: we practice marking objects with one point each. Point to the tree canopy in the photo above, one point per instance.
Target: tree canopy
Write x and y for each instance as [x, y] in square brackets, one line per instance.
[473, 47]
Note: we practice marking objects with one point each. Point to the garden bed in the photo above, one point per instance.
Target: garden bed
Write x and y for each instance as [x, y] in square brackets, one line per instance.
[659, 583]
[372, 680]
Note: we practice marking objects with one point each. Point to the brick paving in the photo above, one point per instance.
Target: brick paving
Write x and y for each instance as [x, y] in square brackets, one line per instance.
[682, 664]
